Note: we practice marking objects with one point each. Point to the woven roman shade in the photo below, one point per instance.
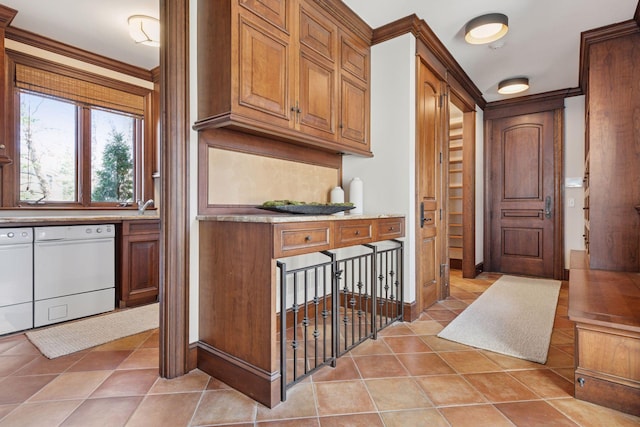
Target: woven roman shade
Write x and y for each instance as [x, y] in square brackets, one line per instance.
[46, 82]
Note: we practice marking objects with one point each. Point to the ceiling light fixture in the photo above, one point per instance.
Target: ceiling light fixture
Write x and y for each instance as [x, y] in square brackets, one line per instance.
[486, 28]
[514, 85]
[145, 30]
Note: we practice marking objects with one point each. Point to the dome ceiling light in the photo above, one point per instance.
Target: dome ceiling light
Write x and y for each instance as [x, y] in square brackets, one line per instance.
[486, 28]
[145, 30]
[514, 85]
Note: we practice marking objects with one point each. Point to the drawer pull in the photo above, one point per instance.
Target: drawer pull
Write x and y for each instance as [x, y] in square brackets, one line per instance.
[357, 232]
[581, 381]
[390, 228]
[307, 238]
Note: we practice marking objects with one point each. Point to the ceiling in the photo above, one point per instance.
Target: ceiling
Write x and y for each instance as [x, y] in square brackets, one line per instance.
[543, 41]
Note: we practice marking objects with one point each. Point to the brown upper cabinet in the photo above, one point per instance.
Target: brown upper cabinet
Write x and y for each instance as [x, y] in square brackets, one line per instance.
[288, 69]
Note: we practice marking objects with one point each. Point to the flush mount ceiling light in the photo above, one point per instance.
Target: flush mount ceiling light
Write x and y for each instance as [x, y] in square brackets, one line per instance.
[145, 30]
[486, 28]
[515, 85]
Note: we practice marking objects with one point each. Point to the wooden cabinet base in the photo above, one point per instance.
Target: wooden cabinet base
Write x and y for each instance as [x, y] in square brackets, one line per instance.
[262, 386]
[605, 393]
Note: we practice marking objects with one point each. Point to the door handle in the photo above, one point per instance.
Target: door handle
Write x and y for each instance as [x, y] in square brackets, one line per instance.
[547, 207]
[421, 214]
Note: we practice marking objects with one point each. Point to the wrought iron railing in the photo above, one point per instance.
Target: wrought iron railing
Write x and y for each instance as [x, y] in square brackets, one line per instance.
[366, 291]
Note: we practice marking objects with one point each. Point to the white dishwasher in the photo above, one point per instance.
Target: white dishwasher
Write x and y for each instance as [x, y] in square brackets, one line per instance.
[16, 280]
[74, 272]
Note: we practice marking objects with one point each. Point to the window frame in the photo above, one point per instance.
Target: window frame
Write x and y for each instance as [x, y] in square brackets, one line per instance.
[144, 154]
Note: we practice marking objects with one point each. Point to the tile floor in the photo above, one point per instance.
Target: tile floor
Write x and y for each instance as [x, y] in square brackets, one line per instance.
[408, 377]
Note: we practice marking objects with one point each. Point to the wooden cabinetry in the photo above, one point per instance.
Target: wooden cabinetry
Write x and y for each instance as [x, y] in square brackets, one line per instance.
[288, 69]
[606, 308]
[455, 191]
[238, 320]
[139, 262]
[612, 170]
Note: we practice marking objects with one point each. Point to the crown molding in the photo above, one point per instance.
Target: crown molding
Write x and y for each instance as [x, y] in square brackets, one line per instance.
[421, 31]
[50, 45]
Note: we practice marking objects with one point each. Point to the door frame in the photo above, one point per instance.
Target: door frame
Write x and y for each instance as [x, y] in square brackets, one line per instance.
[553, 101]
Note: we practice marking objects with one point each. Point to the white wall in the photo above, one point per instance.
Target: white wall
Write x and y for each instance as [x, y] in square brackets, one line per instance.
[389, 177]
[573, 168]
[479, 186]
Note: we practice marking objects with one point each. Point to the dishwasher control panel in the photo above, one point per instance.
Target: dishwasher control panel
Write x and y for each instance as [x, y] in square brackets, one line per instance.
[75, 232]
[11, 236]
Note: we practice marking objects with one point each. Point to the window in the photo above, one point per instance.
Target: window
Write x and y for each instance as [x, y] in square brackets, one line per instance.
[80, 138]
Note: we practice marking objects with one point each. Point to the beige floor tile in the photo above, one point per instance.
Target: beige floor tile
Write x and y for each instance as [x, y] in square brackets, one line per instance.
[195, 380]
[475, 416]
[428, 327]
[300, 403]
[355, 420]
[545, 383]
[135, 382]
[407, 344]
[142, 358]
[419, 364]
[345, 370]
[500, 387]
[112, 412]
[446, 390]
[224, 407]
[589, 415]
[397, 394]
[419, 417]
[534, 414]
[346, 397]
[40, 414]
[71, 385]
[165, 410]
[19, 389]
[382, 366]
[466, 362]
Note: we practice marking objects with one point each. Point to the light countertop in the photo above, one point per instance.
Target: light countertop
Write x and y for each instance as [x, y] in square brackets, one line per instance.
[284, 218]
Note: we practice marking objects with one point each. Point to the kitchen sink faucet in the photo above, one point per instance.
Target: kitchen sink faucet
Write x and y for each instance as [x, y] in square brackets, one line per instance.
[143, 206]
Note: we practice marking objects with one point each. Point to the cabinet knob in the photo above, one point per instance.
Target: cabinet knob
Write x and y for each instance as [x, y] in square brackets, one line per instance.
[581, 381]
[2, 146]
[307, 238]
[357, 232]
[390, 228]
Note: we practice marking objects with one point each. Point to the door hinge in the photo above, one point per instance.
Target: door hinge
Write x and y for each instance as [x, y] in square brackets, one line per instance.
[441, 157]
[440, 214]
[442, 269]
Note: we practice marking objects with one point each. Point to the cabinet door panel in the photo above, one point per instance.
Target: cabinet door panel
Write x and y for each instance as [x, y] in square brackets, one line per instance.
[354, 123]
[317, 33]
[142, 253]
[263, 73]
[354, 59]
[273, 11]
[317, 97]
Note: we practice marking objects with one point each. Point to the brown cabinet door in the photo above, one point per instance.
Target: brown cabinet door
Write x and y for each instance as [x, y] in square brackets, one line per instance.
[140, 269]
[263, 77]
[523, 200]
[354, 94]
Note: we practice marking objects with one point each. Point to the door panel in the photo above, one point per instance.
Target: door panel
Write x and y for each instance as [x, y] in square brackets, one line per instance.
[522, 195]
[429, 239]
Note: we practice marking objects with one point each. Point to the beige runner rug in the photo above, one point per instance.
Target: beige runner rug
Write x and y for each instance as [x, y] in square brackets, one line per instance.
[56, 341]
[513, 317]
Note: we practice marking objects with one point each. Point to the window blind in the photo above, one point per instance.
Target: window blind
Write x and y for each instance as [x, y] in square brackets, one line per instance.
[61, 86]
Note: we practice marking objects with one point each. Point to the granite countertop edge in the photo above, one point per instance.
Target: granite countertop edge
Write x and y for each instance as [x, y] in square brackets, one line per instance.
[284, 218]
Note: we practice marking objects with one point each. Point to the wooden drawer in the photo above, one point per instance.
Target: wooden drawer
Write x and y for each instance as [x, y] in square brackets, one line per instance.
[391, 228]
[621, 397]
[349, 233]
[301, 238]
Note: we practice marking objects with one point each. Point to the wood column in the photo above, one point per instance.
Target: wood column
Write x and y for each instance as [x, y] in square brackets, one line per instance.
[174, 172]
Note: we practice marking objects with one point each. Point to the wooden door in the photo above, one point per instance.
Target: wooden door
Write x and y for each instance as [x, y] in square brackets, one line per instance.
[354, 93]
[429, 248]
[523, 193]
